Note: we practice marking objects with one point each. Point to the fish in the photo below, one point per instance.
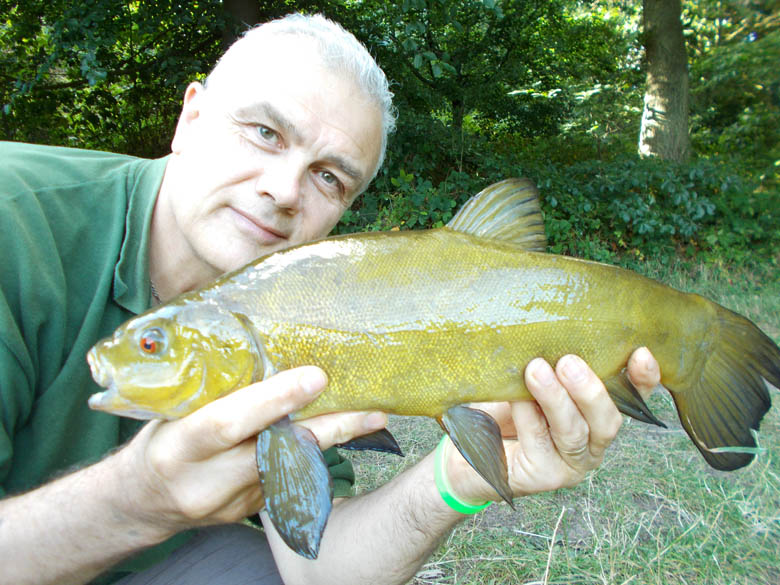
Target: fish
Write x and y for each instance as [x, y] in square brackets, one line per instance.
[424, 323]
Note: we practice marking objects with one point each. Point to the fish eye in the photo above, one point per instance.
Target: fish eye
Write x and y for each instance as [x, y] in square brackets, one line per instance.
[152, 340]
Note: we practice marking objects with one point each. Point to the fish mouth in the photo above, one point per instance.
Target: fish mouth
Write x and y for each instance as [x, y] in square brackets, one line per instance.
[102, 377]
[100, 374]
[110, 400]
[106, 400]
[102, 400]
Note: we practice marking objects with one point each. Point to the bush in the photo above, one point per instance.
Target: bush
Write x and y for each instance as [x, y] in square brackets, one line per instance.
[622, 210]
[637, 208]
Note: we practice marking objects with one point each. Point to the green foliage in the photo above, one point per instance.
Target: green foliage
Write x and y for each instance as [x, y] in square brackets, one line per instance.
[737, 100]
[600, 201]
[406, 201]
[103, 74]
[625, 210]
[484, 67]
[632, 209]
[485, 90]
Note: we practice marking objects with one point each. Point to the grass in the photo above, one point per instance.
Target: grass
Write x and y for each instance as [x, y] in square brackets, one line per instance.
[653, 513]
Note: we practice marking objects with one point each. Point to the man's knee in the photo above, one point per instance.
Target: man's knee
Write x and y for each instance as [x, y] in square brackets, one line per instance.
[217, 555]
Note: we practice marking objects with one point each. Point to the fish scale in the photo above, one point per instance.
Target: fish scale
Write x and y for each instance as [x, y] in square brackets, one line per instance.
[470, 340]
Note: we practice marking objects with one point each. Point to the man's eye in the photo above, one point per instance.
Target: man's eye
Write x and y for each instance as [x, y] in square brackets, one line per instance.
[332, 182]
[329, 178]
[266, 133]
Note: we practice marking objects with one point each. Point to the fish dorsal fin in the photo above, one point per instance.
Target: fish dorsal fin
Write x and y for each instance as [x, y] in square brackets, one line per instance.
[507, 211]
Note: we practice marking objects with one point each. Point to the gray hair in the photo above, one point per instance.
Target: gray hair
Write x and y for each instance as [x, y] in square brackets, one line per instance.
[342, 53]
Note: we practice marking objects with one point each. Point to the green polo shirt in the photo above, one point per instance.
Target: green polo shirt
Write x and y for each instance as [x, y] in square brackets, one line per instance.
[74, 230]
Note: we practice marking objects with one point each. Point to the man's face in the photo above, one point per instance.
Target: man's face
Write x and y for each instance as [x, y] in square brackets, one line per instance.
[269, 156]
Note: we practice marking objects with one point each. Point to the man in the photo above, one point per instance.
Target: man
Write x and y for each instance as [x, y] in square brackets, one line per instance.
[289, 129]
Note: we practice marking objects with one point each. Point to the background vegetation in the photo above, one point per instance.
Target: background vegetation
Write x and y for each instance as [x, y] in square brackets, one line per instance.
[486, 89]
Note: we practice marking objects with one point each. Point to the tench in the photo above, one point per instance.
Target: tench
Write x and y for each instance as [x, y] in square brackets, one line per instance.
[422, 323]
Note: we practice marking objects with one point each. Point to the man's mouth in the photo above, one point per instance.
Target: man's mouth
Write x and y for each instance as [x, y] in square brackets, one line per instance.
[268, 234]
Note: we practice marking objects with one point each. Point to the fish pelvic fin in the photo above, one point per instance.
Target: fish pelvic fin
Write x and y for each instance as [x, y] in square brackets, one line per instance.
[478, 438]
[508, 211]
[297, 487]
[728, 401]
[628, 400]
[381, 440]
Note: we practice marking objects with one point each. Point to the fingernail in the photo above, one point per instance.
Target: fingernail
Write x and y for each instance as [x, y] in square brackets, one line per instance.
[573, 368]
[313, 381]
[375, 421]
[651, 366]
[542, 372]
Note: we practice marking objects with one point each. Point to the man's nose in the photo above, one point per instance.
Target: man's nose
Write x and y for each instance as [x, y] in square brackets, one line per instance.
[282, 182]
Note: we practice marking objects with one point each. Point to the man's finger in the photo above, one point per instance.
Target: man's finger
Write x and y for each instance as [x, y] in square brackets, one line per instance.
[342, 427]
[501, 412]
[568, 428]
[601, 416]
[533, 432]
[243, 414]
[644, 372]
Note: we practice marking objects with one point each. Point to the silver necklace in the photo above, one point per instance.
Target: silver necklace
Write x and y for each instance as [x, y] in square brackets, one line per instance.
[154, 293]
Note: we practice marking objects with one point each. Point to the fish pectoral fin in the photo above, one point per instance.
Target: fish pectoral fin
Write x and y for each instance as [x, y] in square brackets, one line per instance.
[297, 487]
[628, 400]
[478, 438]
[381, 440]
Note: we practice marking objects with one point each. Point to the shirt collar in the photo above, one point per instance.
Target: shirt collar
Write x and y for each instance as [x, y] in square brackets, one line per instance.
[131, 275]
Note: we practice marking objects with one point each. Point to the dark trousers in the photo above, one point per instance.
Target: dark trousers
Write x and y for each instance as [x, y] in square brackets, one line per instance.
[220, 555]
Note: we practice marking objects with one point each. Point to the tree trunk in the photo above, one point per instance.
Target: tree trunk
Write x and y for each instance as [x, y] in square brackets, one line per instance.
[664, 131]
[244, 14]
[458, 113]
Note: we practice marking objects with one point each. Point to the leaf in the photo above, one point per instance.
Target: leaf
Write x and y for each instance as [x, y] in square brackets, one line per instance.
[409, 44]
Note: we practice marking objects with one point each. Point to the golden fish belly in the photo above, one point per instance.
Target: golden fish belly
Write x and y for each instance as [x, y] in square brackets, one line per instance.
[419, 322]
[425, 373]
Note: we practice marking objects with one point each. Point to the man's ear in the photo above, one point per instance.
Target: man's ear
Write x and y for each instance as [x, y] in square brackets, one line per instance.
[190, 111]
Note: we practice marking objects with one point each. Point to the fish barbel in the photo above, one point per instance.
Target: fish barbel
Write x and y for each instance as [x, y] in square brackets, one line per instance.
[422, 323]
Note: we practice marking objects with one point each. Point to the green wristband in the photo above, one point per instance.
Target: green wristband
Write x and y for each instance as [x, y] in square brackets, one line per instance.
[444, 487]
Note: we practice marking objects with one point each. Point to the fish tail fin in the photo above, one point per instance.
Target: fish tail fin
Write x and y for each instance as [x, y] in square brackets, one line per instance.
[730, 397]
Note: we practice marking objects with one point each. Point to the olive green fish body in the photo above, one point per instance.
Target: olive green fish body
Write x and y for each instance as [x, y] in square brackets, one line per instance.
[421, 323]
[413, 323]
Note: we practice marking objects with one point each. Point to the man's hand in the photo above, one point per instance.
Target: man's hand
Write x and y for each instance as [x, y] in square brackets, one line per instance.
[554, 443]
[173, 475]
[201, 469]
[560, 437]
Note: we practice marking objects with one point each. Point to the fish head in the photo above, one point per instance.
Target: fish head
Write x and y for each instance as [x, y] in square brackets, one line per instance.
[170, 361]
